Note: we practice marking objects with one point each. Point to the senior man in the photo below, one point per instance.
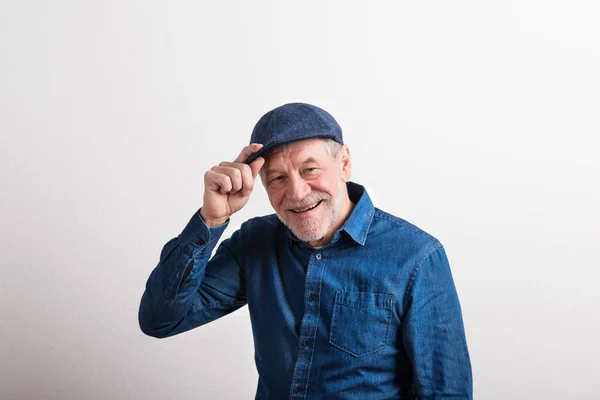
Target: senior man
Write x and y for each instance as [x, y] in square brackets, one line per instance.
[346, 301]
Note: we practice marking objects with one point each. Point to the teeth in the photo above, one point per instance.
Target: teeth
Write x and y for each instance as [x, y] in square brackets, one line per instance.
[306, 209]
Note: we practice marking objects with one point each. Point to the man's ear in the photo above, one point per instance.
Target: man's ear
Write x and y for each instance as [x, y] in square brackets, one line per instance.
[346, 163]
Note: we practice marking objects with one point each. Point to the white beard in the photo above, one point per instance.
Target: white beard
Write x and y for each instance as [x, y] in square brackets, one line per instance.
[315, 229]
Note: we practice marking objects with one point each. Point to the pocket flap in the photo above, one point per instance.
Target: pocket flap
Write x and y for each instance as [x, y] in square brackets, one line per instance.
[364, 299]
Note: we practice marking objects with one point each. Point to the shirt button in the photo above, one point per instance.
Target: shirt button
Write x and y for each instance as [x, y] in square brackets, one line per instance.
[312, 297]
[318, 256]
[298, 389]
[306, 342]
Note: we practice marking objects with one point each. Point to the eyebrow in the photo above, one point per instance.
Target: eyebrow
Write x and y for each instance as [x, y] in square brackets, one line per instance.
[309, 160]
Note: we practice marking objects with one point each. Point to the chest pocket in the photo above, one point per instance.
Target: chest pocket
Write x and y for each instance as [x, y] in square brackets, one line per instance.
[360, 322]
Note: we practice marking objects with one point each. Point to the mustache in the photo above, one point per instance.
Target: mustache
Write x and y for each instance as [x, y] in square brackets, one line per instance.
[307, 201]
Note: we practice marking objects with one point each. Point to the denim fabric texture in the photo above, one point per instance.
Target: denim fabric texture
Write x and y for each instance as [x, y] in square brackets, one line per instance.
[374, 314]
[292, 122]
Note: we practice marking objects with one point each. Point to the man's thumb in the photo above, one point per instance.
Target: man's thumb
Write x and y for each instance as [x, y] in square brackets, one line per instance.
[256, 165]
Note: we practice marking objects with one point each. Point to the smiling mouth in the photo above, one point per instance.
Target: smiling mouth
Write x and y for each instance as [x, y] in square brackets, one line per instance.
[307, 209]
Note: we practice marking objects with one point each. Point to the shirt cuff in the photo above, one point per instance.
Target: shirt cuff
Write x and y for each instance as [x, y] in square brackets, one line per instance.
[197, 236]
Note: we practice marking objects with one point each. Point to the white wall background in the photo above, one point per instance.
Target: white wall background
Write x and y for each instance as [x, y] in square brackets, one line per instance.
[477, 121]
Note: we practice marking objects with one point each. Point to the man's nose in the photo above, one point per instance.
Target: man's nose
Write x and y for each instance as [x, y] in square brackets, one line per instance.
[298, 189]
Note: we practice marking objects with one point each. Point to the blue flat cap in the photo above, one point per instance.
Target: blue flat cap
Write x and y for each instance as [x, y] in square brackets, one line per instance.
[292, 122]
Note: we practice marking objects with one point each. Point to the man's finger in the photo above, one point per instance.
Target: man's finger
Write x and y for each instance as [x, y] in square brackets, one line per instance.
[217, 182]
[234, 174]
[246, 173]
[246, 151]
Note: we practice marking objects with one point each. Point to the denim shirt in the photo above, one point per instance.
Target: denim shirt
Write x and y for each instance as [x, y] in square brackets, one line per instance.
[374, 314]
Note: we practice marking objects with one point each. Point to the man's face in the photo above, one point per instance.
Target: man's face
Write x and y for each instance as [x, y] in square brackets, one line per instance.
[307, 188]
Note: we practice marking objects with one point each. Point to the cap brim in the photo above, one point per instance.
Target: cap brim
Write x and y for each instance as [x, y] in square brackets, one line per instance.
[255, 155]
[265, 149]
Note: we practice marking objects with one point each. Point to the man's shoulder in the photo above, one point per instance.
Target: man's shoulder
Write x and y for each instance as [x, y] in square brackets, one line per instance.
[389, 225]
[255, 233]
[261, 225]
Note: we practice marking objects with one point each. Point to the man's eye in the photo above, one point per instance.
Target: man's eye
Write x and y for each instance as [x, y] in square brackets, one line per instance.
[311, 169]
[277, 178]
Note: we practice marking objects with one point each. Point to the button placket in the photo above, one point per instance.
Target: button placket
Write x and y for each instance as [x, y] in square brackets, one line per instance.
[308, 327]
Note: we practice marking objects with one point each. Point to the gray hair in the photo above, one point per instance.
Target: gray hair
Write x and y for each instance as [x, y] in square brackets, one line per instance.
[333, 148]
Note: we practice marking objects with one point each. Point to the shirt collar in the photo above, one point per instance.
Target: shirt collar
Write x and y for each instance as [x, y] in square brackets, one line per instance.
[358, 223]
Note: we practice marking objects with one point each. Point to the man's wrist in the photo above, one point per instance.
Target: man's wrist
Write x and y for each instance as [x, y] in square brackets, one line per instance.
[211, 222]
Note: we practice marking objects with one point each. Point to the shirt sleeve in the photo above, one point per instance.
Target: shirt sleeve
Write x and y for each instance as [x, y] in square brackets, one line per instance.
[188, 288]
[433, 332]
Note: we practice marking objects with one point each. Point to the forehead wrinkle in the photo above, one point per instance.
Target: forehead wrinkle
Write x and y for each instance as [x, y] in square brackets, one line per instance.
[285, 154]
[309, 160]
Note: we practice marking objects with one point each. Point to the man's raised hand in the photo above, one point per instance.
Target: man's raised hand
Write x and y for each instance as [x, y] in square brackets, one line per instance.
[227, 186]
